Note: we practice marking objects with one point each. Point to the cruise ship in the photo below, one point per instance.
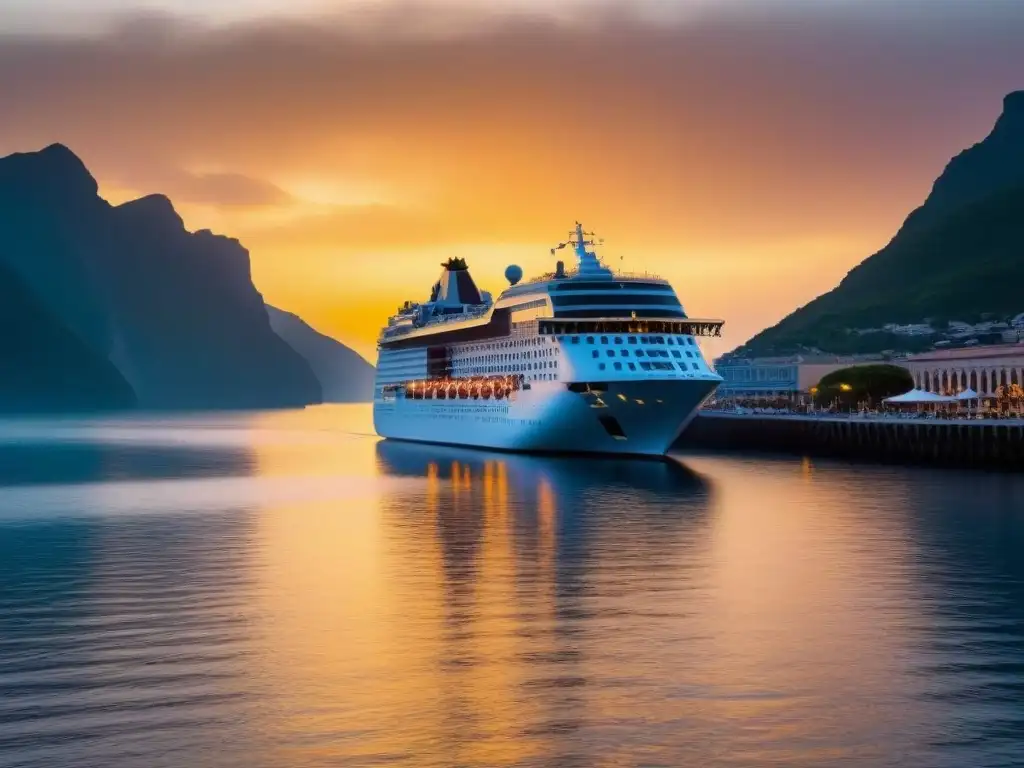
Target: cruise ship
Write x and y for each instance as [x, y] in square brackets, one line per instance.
[585, 359]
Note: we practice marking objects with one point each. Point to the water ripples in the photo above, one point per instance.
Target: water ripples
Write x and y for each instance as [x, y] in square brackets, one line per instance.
[279, 589]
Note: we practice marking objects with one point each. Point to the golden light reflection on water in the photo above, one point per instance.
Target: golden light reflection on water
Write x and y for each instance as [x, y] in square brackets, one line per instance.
[286, 589]
[488, 610]
[395, 616]
[797, 566]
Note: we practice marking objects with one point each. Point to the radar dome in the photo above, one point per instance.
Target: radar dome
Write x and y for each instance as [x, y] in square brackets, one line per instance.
[513, 274]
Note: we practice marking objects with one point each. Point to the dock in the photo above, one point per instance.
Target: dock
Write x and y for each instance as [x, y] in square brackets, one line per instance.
[982, 443]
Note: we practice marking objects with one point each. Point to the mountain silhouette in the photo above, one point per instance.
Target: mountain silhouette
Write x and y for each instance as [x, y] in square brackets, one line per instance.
[46, 367]
[51, 223]
[990, 166]
[344, 375]
[958, 257]
[175, 311]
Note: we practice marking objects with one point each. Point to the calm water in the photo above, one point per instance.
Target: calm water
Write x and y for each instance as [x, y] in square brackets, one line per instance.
[286, 590]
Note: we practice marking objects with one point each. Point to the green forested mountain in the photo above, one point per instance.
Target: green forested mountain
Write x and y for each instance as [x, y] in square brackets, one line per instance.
[960, 256]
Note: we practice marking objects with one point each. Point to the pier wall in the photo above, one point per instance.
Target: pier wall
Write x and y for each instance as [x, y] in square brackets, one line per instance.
[980, 444]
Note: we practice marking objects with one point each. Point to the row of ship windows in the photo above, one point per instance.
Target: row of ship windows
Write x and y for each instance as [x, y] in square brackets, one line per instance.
[652, 366]
[411, 352]
[668, 340]
[644, 366]
[536, 376]
[533, 341]
[541, 341]
[640, 353]
[608, 299]
[552, 351]
[482, 369]
[507, 356]
[411, 366]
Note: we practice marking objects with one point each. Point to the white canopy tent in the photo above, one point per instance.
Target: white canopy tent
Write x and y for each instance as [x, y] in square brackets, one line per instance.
[968, 394]
[919, 397]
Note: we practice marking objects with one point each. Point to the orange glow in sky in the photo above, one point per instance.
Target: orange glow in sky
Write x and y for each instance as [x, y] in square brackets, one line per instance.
[752, 153]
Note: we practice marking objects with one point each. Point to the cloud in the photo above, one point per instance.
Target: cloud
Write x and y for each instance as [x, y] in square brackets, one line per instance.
[713, 101]
[724, 130]
[223, 189]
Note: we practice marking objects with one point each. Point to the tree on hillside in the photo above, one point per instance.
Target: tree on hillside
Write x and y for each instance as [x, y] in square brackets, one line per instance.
[859, 383]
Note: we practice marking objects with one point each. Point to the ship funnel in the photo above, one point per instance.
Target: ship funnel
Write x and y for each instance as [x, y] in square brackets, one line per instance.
[455, 287]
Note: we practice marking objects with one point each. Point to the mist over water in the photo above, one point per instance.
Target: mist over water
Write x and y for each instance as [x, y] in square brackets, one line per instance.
[283, 588]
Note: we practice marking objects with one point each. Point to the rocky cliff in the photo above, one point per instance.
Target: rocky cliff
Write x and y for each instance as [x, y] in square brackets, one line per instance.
[960, 256]
[344, 375]
[175, 311]
[46, 367]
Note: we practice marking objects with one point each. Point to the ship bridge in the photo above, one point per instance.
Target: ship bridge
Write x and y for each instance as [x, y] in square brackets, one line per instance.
[593, 290]
[590, 298]
[583, 297]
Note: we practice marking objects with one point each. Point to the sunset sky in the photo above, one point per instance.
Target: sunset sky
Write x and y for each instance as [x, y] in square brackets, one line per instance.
[750, 151]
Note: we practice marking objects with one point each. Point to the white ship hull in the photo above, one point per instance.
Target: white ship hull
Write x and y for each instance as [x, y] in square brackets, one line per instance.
[648, 416]
[589, 361]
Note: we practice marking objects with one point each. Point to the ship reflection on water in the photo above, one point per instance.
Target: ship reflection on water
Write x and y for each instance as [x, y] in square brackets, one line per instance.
[489, 607]
[545, 480]
[285, 589]
[552, 508]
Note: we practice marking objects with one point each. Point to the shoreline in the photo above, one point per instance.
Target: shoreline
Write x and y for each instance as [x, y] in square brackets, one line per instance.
[978, 444]
[846, 418]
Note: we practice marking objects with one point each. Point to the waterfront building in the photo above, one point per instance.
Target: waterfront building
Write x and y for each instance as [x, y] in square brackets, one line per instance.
[779, 376]
[983, 369]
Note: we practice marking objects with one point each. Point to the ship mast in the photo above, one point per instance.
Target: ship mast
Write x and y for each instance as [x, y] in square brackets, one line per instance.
[587, 262]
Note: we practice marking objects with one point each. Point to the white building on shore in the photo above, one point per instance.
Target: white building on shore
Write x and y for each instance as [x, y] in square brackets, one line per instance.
[983, 369]
[945, 371]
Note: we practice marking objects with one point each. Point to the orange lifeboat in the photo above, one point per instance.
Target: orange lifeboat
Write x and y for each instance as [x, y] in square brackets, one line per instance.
[485, 391]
